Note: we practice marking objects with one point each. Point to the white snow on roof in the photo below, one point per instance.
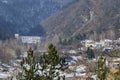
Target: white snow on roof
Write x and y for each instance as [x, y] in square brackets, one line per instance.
[75, 58]
[4, 75]
[69, 75]
[72, 51]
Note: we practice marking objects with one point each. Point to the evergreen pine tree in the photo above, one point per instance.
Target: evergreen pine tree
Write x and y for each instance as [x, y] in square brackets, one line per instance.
[90, 53]
[102, 71]
[51, 64]
[117, 75]
[49, 67]
[28, 67]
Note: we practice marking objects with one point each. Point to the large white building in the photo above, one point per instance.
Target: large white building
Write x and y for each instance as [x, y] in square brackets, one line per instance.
[29, 39]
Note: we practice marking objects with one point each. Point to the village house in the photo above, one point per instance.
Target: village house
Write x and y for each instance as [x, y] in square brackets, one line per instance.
[113, 65]
[106, 42]
[88, 43]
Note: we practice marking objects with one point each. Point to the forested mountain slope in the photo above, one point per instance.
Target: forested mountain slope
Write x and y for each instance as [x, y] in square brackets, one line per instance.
[91, 19]
[24, 15]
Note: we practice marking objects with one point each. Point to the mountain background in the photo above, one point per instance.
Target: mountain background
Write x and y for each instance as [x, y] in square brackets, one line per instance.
[85, 19]
[61, 20]
[24, 16]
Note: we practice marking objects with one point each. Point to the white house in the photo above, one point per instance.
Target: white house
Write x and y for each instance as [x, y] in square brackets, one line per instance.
[106, 42]
[88, 43]
[98, 45]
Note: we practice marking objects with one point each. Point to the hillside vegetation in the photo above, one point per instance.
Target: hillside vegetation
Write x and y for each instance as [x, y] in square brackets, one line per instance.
[92, 19]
